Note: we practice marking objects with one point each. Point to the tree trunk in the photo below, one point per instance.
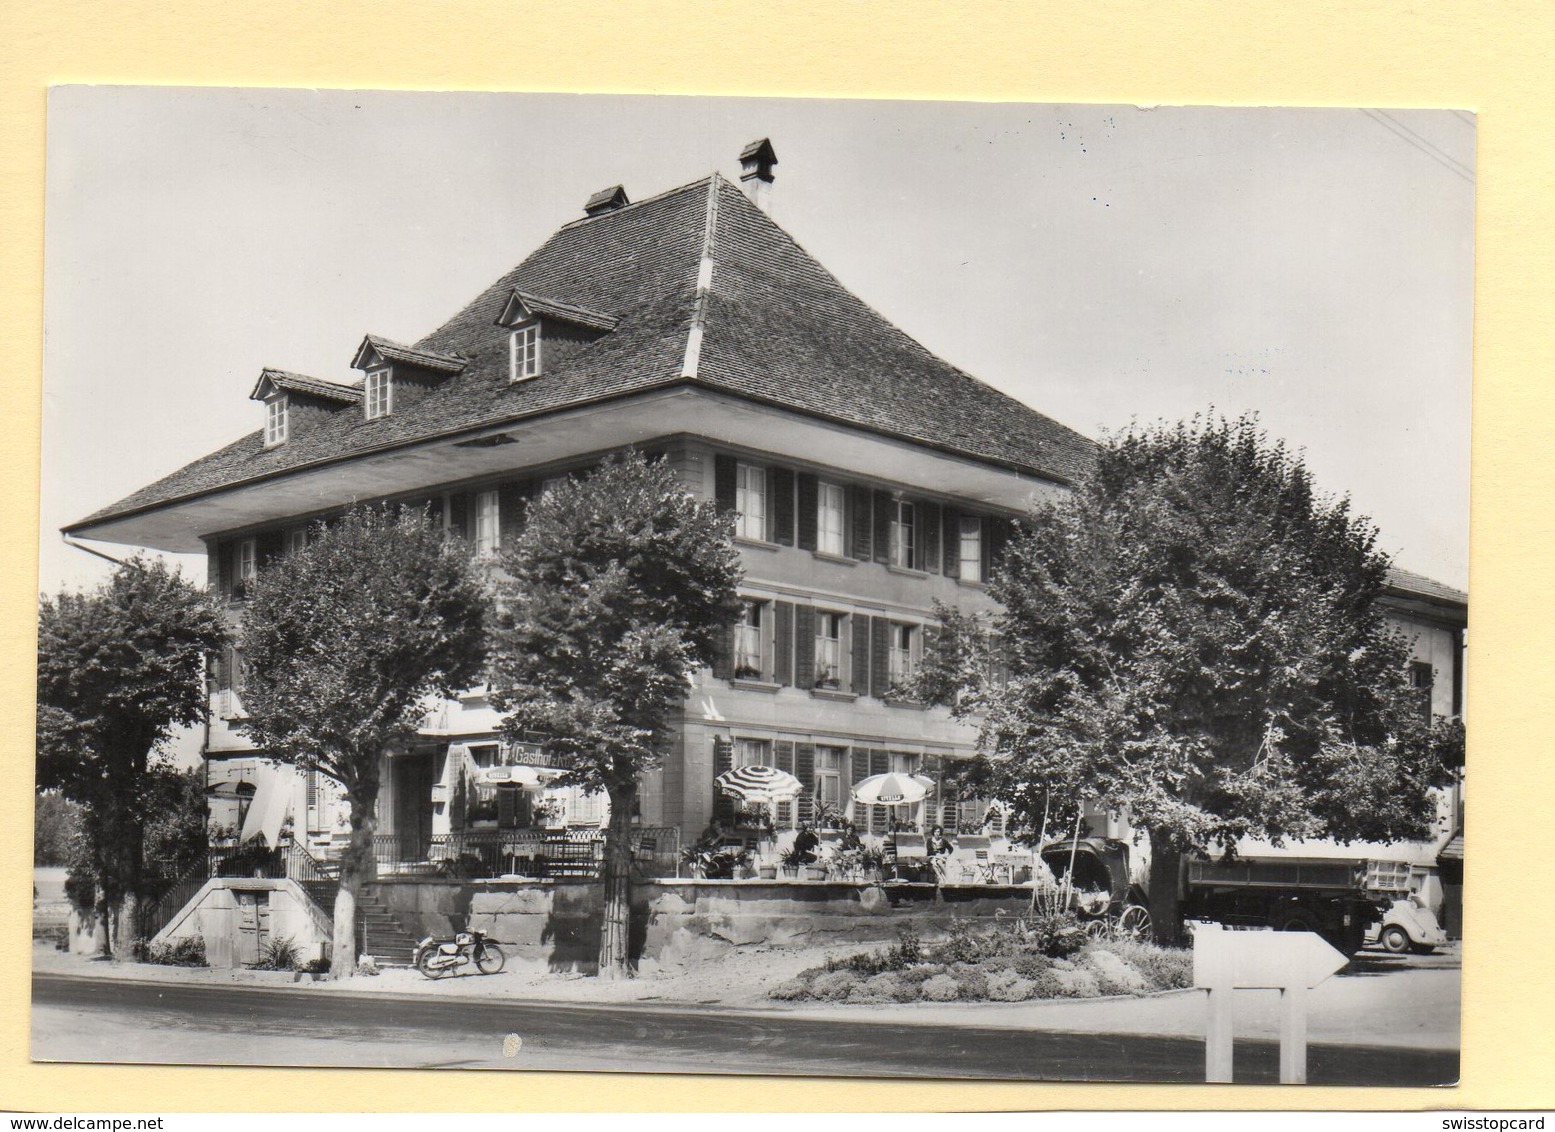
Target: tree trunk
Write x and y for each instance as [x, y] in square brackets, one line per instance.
[358, 866]
[1166, 889]
[615, 959]
[103, 927]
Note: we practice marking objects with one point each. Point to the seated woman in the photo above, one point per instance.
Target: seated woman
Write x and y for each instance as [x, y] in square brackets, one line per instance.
[939, 850]
[805, 843]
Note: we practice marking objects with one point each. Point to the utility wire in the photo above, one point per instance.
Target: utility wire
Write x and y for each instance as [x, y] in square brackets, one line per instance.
[1410, 138]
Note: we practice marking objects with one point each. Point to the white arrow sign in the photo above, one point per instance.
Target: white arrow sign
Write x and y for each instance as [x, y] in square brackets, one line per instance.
[1252, 960]
[1290, 962]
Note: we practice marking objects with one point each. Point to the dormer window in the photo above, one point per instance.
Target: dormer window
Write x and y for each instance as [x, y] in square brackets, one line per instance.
[379, 391]
[275, 421]
[524, 352]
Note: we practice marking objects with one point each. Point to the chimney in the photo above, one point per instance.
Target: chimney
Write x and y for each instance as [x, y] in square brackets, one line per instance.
[756, 162]
[606, 200]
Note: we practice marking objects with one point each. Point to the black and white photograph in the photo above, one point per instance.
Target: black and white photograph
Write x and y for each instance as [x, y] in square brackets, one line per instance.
[785, 587]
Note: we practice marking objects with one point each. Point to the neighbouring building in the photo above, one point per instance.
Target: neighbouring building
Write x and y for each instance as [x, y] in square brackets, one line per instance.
[870, 479]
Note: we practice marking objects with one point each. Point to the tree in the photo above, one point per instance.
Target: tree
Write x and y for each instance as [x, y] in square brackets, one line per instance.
[56, 823]
[1194, 638]
[120, 669]
[618, 585]
[346, 639]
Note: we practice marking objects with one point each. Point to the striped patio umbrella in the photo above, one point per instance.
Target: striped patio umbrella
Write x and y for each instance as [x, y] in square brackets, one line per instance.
[892, 789]
[759, 784]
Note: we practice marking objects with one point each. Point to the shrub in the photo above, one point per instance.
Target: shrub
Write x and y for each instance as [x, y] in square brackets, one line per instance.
[278, 955]
[973, 983]
[1163, 968]
[1113, 974]
[917, 975]
[1046, 985]
[1055, 935]
[1078, 984]
[1032, 966]
[941, 988]
[791, 991]
[834, 986]
[888, 987]
[186, 952]
[1007, 986]
[906, 951]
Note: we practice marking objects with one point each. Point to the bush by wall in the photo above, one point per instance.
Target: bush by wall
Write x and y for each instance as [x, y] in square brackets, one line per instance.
[186, 952]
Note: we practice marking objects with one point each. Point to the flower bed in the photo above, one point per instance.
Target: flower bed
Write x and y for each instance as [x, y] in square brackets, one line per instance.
[1050, 958]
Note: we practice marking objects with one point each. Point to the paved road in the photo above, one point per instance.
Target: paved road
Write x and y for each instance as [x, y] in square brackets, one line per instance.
[84, 1019]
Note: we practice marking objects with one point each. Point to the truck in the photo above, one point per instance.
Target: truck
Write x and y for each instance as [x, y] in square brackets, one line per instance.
[1338, 898]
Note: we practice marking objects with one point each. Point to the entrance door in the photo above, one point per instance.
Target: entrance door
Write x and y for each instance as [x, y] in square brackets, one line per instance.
[253, 925]
[413, 804]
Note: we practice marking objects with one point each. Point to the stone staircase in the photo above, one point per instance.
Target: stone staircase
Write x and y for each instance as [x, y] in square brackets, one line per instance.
[381, 935]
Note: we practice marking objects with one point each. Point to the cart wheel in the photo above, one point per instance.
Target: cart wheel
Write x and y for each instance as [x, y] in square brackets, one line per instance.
[1395, 939]
[1097, 929]
[1135, 922]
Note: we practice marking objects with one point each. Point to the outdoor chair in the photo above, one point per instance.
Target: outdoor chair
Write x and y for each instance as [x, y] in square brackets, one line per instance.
[972, 857]
[912, 854]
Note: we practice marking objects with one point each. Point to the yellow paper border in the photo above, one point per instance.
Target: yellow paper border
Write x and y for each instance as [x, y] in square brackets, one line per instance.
[1489, 57]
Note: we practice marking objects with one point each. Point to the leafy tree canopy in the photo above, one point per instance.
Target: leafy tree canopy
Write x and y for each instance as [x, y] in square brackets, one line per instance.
[1193, 636]
[347, 637]
[615, 590]
[120, 669]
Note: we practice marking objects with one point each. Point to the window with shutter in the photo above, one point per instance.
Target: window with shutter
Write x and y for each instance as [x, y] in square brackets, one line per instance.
[723, 482]
[881, 535]
[783, 754]
[804, 655]
[782, 499]
[750, 502]
[488, 525]
[783, 643]
[970, 549]
[861, 526]
[831, 519]
[806, 523]
[805, 769]
[833, 647]
[860, 658]
[723, 760]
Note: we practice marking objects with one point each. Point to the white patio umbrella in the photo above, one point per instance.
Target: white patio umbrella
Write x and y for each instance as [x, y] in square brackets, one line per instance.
[892, 789]
[757, 784]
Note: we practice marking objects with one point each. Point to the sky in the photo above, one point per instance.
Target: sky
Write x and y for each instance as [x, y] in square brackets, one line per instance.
[1103, 264]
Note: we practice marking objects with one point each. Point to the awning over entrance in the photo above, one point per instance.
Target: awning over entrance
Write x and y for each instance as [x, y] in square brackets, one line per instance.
[1453, 850]
[272, 802]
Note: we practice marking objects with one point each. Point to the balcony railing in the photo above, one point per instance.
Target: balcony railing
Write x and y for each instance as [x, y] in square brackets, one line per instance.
[485, 854]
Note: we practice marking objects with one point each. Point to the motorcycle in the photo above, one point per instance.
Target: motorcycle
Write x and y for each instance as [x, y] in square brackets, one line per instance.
[438, 957]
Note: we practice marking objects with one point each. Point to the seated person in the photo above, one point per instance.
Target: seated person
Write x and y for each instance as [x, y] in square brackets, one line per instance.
[938, 844]
[805, 843]
[850, 838]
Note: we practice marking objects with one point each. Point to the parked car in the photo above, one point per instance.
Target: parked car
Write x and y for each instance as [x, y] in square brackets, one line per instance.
[1408, 925]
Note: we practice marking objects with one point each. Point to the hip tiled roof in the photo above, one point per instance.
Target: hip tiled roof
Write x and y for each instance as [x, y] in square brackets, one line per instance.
[776, 327]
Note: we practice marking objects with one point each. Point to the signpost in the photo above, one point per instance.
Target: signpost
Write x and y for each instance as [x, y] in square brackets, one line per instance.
[1289, 962]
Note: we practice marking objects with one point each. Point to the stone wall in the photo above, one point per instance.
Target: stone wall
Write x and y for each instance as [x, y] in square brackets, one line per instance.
[556, 924]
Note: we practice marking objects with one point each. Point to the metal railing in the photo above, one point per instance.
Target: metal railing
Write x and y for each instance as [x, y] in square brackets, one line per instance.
[485, 854]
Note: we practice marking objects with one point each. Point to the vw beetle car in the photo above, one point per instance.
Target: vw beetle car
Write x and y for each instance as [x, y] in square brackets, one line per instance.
[1408, 925]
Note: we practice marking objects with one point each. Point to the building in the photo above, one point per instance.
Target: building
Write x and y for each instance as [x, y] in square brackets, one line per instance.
[871, 479]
